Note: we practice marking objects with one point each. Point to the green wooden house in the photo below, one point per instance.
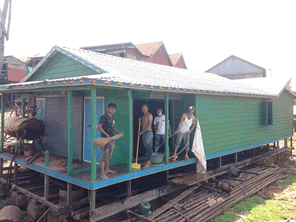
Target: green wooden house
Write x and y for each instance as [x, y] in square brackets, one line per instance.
[74, 87]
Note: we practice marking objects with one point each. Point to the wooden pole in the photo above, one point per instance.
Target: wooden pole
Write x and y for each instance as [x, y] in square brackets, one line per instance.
[69, 193]
[46, 187]
[286, 142]
[129, 188]
[70, 131]
[92, 202]
[291, 141]
[23, 107]
[15, 173]
[2, 122]
[130, 130]
[167, 145]
[93, 132]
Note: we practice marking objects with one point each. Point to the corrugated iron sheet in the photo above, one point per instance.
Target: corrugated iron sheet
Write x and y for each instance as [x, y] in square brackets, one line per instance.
[123, 70]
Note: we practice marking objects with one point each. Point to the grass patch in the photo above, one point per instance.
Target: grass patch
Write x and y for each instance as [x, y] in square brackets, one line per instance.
[271, 210]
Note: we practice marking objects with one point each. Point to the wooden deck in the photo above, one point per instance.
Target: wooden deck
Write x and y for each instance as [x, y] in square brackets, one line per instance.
[59, 164]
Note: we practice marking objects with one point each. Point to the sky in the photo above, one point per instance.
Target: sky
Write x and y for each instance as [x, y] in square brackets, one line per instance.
[205, 32]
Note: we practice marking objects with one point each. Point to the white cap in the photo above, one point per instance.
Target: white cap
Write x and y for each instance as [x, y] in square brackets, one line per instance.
[191, 107]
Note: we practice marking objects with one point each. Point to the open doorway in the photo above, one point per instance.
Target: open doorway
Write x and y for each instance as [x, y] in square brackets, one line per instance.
[153, 105]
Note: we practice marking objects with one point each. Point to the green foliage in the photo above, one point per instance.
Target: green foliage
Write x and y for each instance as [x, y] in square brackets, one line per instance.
[248, 205]
[226, 217]
[272, 210]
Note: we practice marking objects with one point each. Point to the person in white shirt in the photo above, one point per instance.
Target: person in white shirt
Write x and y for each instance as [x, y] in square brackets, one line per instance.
[186, 125]
[159, 126]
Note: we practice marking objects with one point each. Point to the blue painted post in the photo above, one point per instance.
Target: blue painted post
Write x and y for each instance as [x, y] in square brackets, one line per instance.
[23, 107]
[93, 132]
[167, 145]
[70, 131]
[130, 130]
[2, 121]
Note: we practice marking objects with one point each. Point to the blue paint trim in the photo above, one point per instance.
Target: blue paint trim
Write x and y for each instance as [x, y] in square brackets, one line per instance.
[132, 175]
[211, 156]
[51, 173]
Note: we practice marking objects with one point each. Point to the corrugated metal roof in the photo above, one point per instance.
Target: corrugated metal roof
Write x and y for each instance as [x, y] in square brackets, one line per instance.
[129, 71]
[271, 85]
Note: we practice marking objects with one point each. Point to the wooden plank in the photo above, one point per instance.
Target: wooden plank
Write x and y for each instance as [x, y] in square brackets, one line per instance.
[171, 203]
[114, 208]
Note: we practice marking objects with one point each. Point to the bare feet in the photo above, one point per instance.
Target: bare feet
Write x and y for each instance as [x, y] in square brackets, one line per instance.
[104, 177]
[174, 157]
[110, 171]
[146, 166]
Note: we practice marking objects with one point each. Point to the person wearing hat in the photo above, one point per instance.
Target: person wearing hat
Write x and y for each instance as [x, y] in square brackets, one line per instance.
[185, 127]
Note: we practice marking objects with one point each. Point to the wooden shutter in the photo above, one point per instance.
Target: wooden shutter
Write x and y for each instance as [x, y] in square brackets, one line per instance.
[264, 113]
[269, 113]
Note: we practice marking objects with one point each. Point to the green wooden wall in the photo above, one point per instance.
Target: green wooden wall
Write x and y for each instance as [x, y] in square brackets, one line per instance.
[119, 97]
[61, 66]
[228, 123]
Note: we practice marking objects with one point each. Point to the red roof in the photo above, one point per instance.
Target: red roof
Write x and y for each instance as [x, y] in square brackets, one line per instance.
[149, 49]
[175, 58]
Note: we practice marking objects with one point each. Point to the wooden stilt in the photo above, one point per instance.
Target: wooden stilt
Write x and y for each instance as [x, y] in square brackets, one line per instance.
[69, 193]
[129, 188]
[46, 187]
[92, 202]
[274, 145]
[291, 141]
[220, 161]
[235, 158]
[286, 142]
[278, 144]
[15, 173]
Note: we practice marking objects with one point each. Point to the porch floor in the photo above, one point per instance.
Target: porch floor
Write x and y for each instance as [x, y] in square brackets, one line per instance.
[59, 165]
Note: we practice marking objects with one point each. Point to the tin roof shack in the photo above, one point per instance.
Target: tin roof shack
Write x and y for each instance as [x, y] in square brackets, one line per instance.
[150, 52]
[234, 67]
[13, 70]
[74, 87]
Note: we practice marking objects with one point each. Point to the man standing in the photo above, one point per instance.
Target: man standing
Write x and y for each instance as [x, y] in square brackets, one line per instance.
[147, 135]
[159, 126]
[107, 129]
[186, 125]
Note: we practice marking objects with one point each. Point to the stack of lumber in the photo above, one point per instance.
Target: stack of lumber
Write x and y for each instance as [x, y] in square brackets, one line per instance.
[205, 203]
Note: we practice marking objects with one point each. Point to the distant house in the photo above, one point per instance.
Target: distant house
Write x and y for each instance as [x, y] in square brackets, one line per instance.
[236, 68]
[178, 60]
[149, 52]
[13, 70]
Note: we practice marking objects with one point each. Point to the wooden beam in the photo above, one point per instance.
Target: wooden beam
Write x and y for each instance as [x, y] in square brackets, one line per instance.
[1, 167]
[94, 133]
[171, 203]
[130, 130]
[114, 208]
[70, 131]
